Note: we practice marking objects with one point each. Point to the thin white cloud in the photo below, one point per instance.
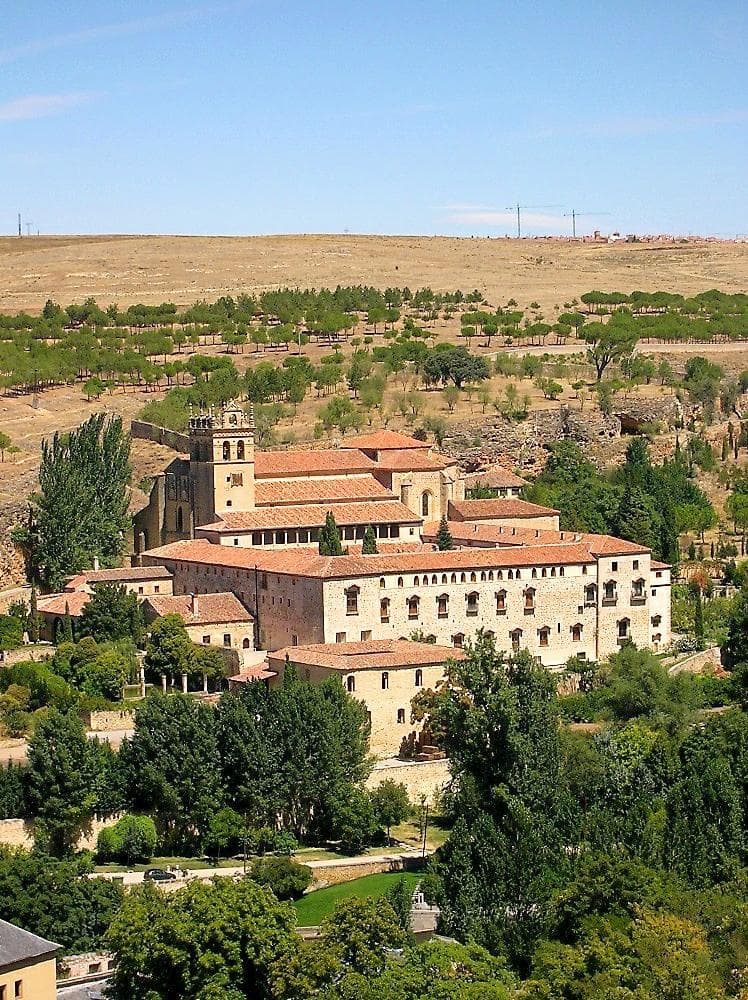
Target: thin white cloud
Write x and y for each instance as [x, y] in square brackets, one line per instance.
[643, 125]
[117, 29]
[21, 109]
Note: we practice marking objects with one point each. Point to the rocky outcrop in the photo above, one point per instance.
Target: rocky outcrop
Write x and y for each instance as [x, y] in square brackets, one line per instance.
[636, 413]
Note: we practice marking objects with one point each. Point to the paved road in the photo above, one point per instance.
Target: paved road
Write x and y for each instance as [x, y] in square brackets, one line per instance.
[135, 878]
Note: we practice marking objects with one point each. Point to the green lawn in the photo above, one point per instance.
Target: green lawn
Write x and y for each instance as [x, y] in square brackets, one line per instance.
[315, 906]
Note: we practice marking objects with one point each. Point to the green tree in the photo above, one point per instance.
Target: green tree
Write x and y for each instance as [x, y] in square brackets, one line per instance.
[369, 546]
[609, 342]
[329, 538]
[171, 768]
[111, 614]
[5, 444]
[80, 510]
[169, 651]
[132, 839]
[391, 804]
[287, 878]
[62, 781]
[214, 940]
[444, 540]
[361, 932]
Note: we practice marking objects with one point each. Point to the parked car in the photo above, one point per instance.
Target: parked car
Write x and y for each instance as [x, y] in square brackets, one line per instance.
[158, 875]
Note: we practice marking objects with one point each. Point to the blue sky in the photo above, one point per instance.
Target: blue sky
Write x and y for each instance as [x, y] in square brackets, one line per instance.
[386, 116]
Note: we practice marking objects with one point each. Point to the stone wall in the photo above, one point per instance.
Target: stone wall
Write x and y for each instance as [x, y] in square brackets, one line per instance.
[427, 777]
[160, 435]
[334, 872]
[104, 722]
[20, 833]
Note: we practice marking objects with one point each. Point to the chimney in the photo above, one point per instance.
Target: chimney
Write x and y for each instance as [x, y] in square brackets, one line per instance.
[96, 564]
[194, 605]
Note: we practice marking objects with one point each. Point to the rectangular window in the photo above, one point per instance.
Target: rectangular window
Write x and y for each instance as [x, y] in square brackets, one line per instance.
[3, 995]
[366, 635]
[227, 638]
[157, 589]
[636, 564]
[294, 640]
[614, 566]
[340, 636]
[140, 590]
[206, 640]
[18, 988]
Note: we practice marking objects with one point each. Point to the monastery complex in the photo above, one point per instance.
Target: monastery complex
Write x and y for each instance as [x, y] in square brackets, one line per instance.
[229, 540]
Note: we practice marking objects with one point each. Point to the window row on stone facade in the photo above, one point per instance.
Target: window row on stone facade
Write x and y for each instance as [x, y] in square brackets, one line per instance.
[474, 577]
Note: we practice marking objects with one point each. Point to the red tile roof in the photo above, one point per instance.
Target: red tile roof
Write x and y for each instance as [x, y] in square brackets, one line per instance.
[477, 510]
[656, 564]
[372, 655]
[496, 478]
[313, 516]
[212, 609]
[55, 604]
[406, 460]
[257, 672]
[384, 441]
[123, 574]
[482, 532]
[308, 562]
[277, 464]
[332, 489]
[608, 545]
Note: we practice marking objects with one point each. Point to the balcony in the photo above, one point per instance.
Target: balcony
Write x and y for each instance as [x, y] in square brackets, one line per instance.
[610, 602]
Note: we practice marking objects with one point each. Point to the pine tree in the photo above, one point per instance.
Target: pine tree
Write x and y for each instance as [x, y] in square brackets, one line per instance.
[369, 547]
[444, 538]
[725, 449]
[329, 538]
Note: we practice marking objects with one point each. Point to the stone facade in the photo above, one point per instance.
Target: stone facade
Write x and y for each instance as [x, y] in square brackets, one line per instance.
[422, 778]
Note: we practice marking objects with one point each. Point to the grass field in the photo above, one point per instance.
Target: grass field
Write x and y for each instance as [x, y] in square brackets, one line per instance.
[315, 906]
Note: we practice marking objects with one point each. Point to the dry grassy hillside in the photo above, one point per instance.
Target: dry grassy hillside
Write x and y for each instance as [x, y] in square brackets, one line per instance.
[127, 269]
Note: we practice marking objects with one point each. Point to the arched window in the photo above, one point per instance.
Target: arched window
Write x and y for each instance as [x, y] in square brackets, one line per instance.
[434, 579]
[226, 451]
[444, 577]
[544, 572]
[240, 450]
[553, 570]
[624, 626]
[426, 503]
[656, 620]
[576, 632]
[609, 592]
[561, 571]
[351, 600]
[590, 594]
[416, 581]
[534, 573]
[510, 575]
[381, 581]
[517, 575]
[419, 678]
[501, 602]
[384, 610]
[500, 574]
[463, 578]
[350, 683]
[637, 589]
[385, 680]
[489, 634]
[472, 600]
[490, 574]
[530, 599]
[453, 578]
[458, 640]
[413, 604]
[401, 716]
[246, 643]
[544, 635]
[442, 606]
[483, 576]
[473, 578]
[180, 519]
[399, 581]
[516, 636]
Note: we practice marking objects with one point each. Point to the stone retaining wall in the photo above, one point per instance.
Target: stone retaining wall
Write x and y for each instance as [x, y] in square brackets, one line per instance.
[103, 722]
[20, 833]
[160, 435]
[426, 777]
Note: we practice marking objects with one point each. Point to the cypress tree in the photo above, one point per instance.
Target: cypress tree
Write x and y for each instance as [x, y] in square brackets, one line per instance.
[698, 618]
[444, 538]
[33, 617]
[67, 625]
[369, 547]
[329, 538]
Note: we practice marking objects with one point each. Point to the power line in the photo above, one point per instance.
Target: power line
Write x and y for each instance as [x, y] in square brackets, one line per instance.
[525, 208]
[574, 215]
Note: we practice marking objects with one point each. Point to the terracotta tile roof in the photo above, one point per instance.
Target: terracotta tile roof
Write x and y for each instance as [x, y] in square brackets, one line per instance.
[332, 489]
[656, 564]
[476, 510]
[257, 672]
[313, 516]
[309, 563]
[406, 460]
[123, 574]
[276, 464]
[482, 532]
[495, 478]
[373, 655]
[608, 545]
[212, 609]
[384, 441]
[54, 604]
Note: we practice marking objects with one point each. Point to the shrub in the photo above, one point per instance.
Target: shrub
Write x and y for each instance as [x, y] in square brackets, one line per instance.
[285, 877]
[132, 839]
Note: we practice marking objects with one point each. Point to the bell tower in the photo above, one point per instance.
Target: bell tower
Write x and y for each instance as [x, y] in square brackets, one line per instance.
[222, 462]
